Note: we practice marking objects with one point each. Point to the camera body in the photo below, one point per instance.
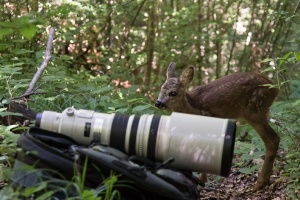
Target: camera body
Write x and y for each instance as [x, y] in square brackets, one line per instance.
[197, 143]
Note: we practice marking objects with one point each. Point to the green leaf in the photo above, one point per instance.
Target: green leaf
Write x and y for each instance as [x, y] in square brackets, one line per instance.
[88, 195]
[135, 100]
[31, 190]
[16, 69]
[3, 46]
[132, 89]
[284, 58]
[297, 56]
[46, 195]
[293, 40]
[7, 193]
[29, 31]
[140, 108]
[270, 68]
[20, 128]
[247, 170]
[122, 110]
[3, 159]
[283, 82]
[266, 60]
[3, 114]
[12, 69]
[111, 181]
[39, 54]
[4, 31]
[8, 128]
[19, 85]
[22, 51]
[88, 87]
[102, 90]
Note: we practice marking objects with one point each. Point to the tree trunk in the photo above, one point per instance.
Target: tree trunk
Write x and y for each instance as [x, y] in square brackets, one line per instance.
[199, 43]
[219, 59]
[150, 41]
[234, 38]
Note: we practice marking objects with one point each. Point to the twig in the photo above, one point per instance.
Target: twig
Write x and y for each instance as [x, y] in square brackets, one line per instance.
[296, 8]
[28, 94]
[31, 90]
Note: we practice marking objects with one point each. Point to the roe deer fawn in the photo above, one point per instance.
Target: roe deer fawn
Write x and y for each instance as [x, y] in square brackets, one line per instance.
[240, 95]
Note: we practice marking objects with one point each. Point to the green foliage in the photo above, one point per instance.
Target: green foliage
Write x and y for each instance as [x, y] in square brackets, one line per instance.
[99, 48]
[280, 66]
[93, 93]
[8, 149]
[247, 152]
[111, 194]
[8, 142]
[292, 171]
[26, 25]
[45, 189]
[287, 114]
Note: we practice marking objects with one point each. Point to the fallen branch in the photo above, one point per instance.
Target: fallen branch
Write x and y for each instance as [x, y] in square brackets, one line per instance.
[22, 107]
[31, 89]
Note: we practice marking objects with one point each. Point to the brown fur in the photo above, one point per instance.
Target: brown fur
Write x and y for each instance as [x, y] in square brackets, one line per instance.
[240, 95]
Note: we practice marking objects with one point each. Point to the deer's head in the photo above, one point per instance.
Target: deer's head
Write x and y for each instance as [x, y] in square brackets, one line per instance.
[173, 91]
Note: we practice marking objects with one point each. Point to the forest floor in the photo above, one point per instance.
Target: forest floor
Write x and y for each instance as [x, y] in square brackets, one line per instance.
[238, 186]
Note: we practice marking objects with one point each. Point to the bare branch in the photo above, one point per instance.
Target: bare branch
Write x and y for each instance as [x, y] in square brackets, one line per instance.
[40, 71]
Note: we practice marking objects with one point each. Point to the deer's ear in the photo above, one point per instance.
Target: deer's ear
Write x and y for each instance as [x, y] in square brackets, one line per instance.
[187, 76]
[171, 73]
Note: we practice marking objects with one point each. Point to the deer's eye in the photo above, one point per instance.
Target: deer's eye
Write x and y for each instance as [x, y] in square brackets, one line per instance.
[172, 94]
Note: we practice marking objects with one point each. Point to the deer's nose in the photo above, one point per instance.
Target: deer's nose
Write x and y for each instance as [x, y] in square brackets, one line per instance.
[159, 104]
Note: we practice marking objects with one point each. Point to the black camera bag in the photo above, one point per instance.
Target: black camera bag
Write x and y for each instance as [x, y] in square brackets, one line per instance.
[56, 159]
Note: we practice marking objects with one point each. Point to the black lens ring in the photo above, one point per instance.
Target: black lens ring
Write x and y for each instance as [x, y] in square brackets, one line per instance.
[38, 119]
[228, 147]
[152, 137]
[118, 132]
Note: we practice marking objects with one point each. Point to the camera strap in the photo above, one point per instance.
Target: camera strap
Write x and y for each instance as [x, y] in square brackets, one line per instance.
[55, 158]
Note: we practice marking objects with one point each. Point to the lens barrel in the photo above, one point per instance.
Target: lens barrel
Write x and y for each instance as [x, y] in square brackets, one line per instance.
[197, 143]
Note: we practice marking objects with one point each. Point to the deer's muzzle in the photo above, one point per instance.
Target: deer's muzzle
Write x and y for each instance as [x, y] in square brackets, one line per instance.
[159, 104]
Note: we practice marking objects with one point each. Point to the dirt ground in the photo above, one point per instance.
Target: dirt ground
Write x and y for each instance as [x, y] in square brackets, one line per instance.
[238, 186]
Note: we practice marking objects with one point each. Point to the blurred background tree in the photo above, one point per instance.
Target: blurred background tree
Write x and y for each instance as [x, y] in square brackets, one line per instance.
[133, 42]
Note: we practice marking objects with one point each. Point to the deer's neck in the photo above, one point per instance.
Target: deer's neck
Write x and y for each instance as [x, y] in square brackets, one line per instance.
[188, 104]
[194, 105]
